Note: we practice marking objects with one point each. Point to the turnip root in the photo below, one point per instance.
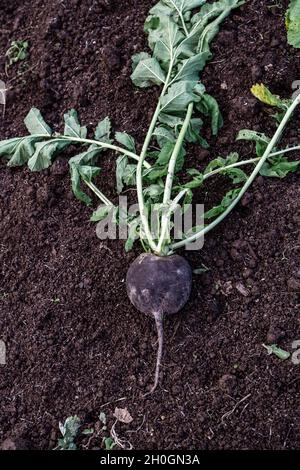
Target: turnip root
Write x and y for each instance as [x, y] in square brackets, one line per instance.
[158, 286]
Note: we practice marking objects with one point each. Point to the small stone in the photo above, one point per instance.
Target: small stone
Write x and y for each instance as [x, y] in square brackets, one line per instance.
[293, 285]
[228, 383]
[15, 444]
[227, 288]
[242, 289]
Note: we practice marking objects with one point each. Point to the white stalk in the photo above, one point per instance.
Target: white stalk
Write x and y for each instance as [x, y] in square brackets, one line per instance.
[248, 183]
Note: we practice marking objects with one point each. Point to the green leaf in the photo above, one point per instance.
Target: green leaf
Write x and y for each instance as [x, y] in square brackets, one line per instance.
[147, 73]
[137, 58]
[293, 23]
[236, 175]
[69, 430]
[171, 121]
[196, 182]
[205, 25]
[220, 162]
[193, 132]
[36, 124]
[165, 154]
[18, 150]
[126, 140]
[279, 167]
[109, 443]
[157, 172]
[154, 191]
[261, 140]
[179, 96]
[44, 152]
[167, 39]
[121, 165]
[133, 233]
[88, 431]
[280, 353]
[87, 172]
[72, 125]
[183, 6]
[158, 26]
[189, 68]
[103, 129]
[209, 107]
[163, 136]
[70, 426]
[101, 213]
[76, 180]
[225, 203]
[87, 156]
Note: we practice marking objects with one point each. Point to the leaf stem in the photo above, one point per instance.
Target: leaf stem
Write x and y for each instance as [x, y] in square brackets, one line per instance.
[248, 183]
[79, 140]
[98, 193]
[179, 11]
[139, 174]
[170, 175]
[116, 148]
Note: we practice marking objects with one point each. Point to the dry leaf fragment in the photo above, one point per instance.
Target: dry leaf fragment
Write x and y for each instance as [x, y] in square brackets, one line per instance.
[123, 415]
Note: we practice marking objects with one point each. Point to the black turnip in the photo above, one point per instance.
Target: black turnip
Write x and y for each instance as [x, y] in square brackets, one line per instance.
[158, 286]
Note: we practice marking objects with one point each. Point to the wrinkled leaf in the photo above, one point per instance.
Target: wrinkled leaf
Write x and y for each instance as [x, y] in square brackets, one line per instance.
[293, 23]
[163, 135]
[147, 73]
[279, 167]
[263, 94]
[72, 125]
[103, 129]
[189, 68]
[179, 96]
[209, 107]
[35, 123]
[44, 152]
[260, 139]
[101, 213]
[126, 140]
[225, 203]
[220, 162]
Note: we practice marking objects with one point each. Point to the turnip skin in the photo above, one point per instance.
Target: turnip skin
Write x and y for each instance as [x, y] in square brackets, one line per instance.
[158, 286]
[159, 283]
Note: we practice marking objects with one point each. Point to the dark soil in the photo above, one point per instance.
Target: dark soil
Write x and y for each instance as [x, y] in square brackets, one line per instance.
[91, 350]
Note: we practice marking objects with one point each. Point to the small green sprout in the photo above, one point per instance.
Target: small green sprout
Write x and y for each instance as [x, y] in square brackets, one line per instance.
[69, 430]
[280, 353]
[17, 52]
[109, 443]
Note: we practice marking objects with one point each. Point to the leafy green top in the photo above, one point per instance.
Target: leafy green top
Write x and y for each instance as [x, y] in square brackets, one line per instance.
[293, 23]
[179, 41]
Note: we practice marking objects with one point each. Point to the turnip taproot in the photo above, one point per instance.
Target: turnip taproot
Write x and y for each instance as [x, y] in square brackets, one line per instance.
[159, 282]
[158, 286]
